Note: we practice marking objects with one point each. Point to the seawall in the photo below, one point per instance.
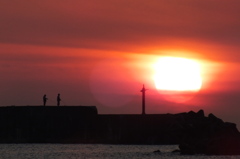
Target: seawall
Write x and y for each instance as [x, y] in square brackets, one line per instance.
[83, 124]
[38, 124]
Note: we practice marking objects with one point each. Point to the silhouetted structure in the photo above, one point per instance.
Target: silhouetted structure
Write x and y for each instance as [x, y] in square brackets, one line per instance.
[44, 100]
[143, 100]
[193, 131]
[58, 100]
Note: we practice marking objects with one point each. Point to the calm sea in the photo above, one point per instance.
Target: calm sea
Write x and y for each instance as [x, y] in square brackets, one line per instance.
[94, 151]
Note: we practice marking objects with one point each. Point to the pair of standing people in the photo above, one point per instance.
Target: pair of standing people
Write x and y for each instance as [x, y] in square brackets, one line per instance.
[45, 100]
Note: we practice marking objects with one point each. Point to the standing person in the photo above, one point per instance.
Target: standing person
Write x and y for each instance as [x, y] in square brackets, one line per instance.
[58, 100]
[44, 100]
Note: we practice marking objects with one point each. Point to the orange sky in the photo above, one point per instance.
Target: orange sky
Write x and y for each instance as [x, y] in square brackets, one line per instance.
[101, 52]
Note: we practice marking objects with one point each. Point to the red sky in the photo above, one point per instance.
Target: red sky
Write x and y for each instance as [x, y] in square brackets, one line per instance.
[101, 52]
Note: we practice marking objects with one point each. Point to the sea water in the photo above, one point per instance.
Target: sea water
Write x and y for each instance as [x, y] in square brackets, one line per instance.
[95, 151]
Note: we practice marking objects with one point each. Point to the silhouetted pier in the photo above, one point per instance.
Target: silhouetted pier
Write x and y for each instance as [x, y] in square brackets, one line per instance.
[195, 132]
[80, 124]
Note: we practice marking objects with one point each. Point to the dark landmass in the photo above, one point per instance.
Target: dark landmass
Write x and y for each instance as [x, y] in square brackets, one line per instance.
[194, 132]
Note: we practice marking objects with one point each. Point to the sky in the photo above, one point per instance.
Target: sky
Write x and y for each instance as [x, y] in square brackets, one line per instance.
[101, 53]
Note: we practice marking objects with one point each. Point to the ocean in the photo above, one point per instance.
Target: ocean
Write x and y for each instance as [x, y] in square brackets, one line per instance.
[95, 151]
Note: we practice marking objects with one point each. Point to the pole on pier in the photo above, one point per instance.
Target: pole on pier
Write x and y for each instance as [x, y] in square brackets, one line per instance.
[143, 100]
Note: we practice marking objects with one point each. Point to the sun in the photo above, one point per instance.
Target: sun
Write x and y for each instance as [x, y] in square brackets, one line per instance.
[177, 74]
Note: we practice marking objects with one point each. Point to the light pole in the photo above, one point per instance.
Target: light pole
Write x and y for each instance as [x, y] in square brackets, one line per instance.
[143, 100]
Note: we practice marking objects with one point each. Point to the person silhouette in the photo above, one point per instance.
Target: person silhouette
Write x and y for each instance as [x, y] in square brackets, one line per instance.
[58, 100]
[44, 100]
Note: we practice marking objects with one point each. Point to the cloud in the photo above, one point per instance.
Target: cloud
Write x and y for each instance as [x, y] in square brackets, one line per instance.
[92, 23]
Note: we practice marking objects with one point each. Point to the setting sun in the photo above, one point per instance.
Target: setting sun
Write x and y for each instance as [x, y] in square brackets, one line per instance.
[177, 74]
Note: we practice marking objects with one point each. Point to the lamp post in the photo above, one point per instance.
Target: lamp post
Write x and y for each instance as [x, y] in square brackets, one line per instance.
[143, 100]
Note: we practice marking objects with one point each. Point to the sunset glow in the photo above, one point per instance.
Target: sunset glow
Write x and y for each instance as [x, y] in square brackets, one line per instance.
[100, 53]
[177, 74]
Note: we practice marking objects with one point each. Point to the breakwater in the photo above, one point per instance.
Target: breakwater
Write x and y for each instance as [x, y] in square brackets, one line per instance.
[82, 124]
[193, 131]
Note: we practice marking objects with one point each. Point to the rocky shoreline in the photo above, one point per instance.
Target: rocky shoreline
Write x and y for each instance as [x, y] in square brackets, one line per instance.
[209, 135]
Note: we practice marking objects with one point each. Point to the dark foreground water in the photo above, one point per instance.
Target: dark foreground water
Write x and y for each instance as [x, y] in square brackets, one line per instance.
[95, 151]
